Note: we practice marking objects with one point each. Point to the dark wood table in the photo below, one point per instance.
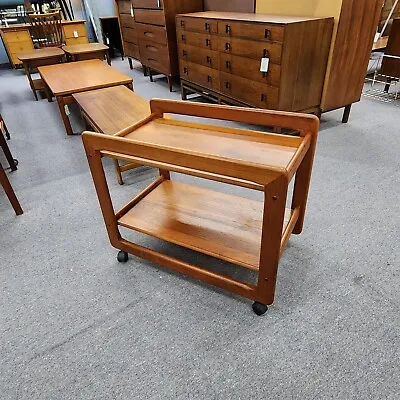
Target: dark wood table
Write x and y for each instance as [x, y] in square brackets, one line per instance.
[67, 79]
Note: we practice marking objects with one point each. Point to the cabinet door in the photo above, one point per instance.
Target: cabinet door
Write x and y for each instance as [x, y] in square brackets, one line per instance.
[195, 39]
[197, 24]
[250, 69]
[250, 92]
[203, 76]
[208, 58]
[250, 49]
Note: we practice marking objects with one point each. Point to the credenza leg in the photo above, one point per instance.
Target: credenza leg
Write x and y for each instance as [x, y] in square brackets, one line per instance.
[346, 114]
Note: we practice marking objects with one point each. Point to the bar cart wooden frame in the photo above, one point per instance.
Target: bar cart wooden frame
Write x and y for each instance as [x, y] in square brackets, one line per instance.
[245, 232]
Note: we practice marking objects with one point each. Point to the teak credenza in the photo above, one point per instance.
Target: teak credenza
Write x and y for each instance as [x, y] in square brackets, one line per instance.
[248, 233]
[220, 57]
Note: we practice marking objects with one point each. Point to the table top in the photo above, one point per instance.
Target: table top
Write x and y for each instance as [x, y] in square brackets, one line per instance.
[75, 77]
[39, 54]
[84, 48]
[113, 109]
[381, 43]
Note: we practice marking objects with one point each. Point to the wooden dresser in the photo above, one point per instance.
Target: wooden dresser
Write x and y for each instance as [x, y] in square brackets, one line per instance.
[149, 33]
[220, 57]
[17, 38]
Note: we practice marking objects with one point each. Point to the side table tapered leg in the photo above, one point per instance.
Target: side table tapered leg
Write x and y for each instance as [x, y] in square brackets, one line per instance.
[64, 116]
[10, 192]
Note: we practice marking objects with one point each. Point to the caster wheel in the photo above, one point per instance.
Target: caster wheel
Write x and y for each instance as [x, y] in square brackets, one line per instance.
[122, 256]
[259, 308]
[15, 162]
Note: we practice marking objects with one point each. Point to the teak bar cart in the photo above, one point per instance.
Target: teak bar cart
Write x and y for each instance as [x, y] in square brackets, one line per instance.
[249, 233]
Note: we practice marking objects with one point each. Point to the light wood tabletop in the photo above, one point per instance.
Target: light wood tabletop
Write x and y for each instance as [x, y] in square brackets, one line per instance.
[40, 54]
[84, 48]
[81, 76]
[380, 44]
[112, 109]
[68, 78]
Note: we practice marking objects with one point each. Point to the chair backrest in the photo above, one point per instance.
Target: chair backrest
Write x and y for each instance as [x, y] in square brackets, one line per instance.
[47, 29]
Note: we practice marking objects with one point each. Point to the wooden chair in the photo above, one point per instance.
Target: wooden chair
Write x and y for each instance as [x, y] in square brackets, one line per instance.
[47, 29]
[3, 177]
[3, 128]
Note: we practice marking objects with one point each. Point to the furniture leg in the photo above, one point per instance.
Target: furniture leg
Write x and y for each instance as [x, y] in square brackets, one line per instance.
[130, 86]
[28, 74]
[10, 192]
[7, 152]
[118, 172]
[150, 74]
[274, 212]
[47, 92]
[5, 128]
[145, 72]
[387, 86]
[108, 58]
[130, 63]
[346, 114]
[170, 83]
[184, 92]
[64, 116]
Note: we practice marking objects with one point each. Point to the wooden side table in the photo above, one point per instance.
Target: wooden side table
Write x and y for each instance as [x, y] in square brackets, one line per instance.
[251, 234]
[37, 58]
[88, 51]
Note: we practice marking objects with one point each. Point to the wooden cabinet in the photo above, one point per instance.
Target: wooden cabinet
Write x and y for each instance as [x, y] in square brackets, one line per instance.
[391, 61]
[152, 35]
[17, 38]
[220, 57]
[355, 26]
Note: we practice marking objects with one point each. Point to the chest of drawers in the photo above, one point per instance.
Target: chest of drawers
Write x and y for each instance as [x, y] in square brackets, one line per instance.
[149, 32]
[220, 57]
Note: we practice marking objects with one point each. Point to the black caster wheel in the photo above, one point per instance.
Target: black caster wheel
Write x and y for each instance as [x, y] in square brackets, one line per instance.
[259, 308]
[16, 162]
[122, 256]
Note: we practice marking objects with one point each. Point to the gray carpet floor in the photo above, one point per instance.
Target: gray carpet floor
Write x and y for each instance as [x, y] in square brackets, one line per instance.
[76, 324]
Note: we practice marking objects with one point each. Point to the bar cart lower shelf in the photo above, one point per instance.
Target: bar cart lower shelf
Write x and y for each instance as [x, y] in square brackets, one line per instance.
[244, 232]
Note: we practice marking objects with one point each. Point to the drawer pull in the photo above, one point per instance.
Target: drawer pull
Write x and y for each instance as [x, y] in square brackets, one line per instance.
[158, 3]
[228, 29]
[183, 38]
[227, 46]
[208, 59]
[151, 34]
[184, 53]
[227, 85]
[263, 97]
[185, 70]
[208, 42]
[207, 26]
[182, 23]
[152, 48]
[267, 34]
[228, 65]
[209, 79]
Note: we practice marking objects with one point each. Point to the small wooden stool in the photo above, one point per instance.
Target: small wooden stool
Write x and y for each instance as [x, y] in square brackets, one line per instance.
[87, 51]
[111, 110]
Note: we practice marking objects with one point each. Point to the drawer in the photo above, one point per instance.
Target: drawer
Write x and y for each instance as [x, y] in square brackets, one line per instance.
[150, 50]
[153, 17]
[250, 69]
[155, 63]
[208, 58]
[251, 49]
[154, 33]
[19, 47]
[131, 50]
[148, 3]
[250, 92]
[129, 35]
[199, 74]
[202, 40]
[127, 21]
[78, 40]
[197, 24]
[254, 31]
[17, 36]
[69, 30]
[124, 7]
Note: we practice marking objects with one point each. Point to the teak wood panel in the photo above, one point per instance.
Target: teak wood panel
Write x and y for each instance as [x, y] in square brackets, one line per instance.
[148, 3]
[242, 6]
[201, 25]
[131, 50]
[250, 69]
[267, 32]
[155, 17]
[205, 76]
[391, 66]
[196, 39]
[71, 30]
[124, 6]
[129, 34]
[127, 21]
[207, 58]
[152, 32]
